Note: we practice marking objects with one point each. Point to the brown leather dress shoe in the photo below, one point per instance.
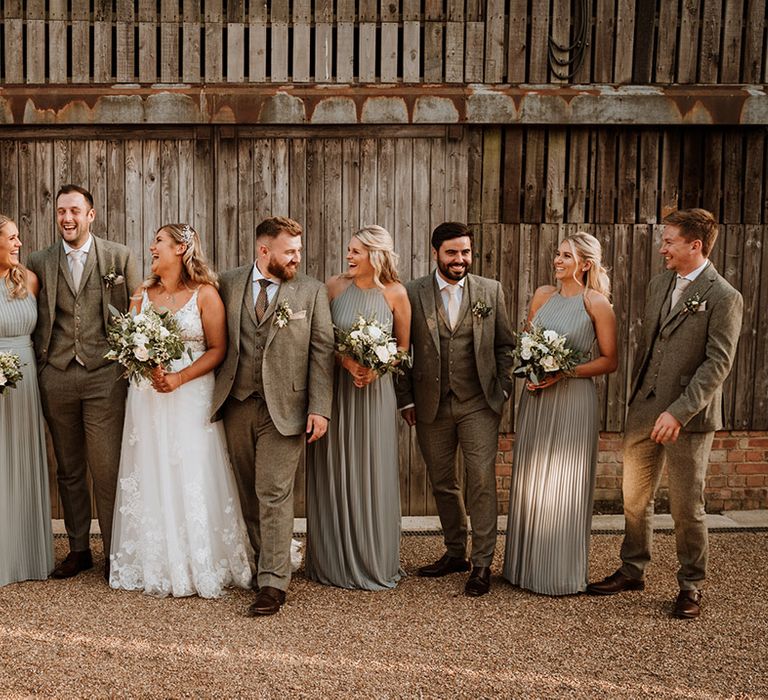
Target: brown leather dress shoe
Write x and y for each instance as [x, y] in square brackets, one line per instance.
[268, 602]
[479, 581]
[687, 605]
[443, 566]
[615, 583]
[73, 564]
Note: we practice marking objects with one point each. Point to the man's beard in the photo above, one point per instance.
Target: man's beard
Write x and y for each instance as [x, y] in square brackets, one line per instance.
[282, 272]
[449, 274]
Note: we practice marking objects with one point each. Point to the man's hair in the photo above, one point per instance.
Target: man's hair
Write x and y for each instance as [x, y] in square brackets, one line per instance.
[275, 225]
[69, 189]
[448, 230]
[695, 224]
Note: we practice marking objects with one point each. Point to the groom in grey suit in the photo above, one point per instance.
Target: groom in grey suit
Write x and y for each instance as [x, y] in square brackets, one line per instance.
[692, 324]
[454, 395]
[274, 387]
[83, 395]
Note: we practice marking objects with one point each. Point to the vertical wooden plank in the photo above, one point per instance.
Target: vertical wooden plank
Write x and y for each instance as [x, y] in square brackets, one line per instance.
[508, 261]
[235, 41]
[61, 163]
[281, 175]
[491, 163]
[411, 41]
[692, 168]
[437, 188]
[345, 41]
[454, 52]
[517, 42]
[538, 48]
[389, 41]
[9, 189]
[422, 175]
[257, 33]
[35, 43]
[403, 227]
[474, 51]
[713, 182]
[627, 177]
[169, 181]
[512, 174]
[670, 172]
[147, 41]
[554, 209]
[205, 214]
[57, 41]
[116, 195]
[150, 194]
[605, 184]
[733, 172]
[186, 149]
[688, 50]
[616, 385]
[78, 160]
[350, 189]
[640, 255]
[754, 182]
[754, 43]
[314, 239]
[605, 19]
[578, 174]
[648, 206]
[733, 243]
[534, 167]
[302, 21]
[666, 46]
[625, 36]
[323, 41]
[368, 181]
[456, 178]
[475, 163]
[125, 49]
[81, 41]
[298, 180]
[134, 238]
[245, 201]
[279, 41]
[385, 199]
[644, 34]
[262, 179]
[434, 30]
[730, 68]
[760, 400]
[169, 42]
[214, 46]
[583, 18]
[27, 178]
[190, 41]
[226, 246]
[560, 31]
[45, 231]
[367, 40]
[709, 54]
[494, 42]
[98, 182]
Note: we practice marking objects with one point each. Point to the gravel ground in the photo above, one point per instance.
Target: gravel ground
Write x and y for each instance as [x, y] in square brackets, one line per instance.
[425, 639]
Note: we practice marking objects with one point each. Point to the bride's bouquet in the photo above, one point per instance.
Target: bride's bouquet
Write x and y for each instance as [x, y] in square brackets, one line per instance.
[539, 352]
[10, 371]
[142, 341]
[372, 346]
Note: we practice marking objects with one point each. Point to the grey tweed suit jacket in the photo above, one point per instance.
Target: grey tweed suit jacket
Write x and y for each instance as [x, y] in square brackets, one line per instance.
[698, 345]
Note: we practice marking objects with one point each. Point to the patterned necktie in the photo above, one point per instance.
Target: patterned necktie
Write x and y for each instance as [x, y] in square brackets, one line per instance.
[681, 283]
[453, 304]
[261, 300]
[76, 267]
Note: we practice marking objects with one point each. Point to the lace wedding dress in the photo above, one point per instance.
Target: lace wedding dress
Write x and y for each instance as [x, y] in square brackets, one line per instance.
[178, 529]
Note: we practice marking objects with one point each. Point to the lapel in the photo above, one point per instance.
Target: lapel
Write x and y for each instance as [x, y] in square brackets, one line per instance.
[286, 291]
[64, 268]
[52, 264]
[430, 308]
[700, 286]
[238, 298]
[475, 293]
[90, 263]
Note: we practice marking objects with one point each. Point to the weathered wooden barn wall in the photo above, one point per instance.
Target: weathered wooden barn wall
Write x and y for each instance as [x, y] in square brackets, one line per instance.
[407, 113]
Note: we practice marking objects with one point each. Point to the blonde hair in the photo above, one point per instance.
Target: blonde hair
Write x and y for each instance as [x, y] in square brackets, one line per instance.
[16, 281]
[194, 266]
[381, 252]
[587, 249]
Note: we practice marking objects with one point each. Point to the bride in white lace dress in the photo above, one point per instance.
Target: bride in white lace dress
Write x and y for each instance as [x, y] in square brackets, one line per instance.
[178, 528]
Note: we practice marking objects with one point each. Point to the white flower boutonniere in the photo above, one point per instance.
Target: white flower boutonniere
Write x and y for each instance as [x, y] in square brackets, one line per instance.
[283, 314]
[694, 305]
[481, 309]
[112, 279]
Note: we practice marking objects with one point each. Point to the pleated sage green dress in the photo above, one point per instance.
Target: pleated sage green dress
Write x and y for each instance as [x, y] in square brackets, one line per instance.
[353, 482]
[26, 545]
[553, 472]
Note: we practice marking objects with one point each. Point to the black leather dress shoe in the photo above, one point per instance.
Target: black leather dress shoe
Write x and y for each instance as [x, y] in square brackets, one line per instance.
[687, 605]
[268, 602]
[73, 564]
[615, 583]
[479, 581]
[443, 566]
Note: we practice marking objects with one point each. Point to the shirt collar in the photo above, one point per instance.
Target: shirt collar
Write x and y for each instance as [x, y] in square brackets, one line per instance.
[442, 284]
[258, 276]
[691, 276]
[85, 248]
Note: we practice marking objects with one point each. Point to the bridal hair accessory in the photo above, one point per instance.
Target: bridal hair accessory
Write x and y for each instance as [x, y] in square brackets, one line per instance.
[186, 234]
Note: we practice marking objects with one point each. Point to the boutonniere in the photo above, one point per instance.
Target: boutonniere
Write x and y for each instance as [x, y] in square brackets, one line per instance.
[283, 314]
[481, 309]
[694, 305]
[112, 279]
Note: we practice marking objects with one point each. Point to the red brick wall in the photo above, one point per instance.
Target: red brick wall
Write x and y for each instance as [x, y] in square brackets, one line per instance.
[737, 478]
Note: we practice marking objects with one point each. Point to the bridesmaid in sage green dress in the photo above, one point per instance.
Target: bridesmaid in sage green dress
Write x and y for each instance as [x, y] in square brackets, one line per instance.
[26, 545]
[555, 457]
[353, 482]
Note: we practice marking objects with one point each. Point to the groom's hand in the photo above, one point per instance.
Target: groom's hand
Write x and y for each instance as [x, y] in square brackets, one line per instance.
[409, 415]
[666, 429]
[316, 426]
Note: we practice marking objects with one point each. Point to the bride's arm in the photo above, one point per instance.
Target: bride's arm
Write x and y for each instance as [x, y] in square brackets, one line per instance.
[215, 328]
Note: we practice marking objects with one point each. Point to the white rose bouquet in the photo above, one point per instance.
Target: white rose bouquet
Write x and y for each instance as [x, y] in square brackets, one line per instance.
[370, 345]
[142, 341]
[10, 371]
[539, 352]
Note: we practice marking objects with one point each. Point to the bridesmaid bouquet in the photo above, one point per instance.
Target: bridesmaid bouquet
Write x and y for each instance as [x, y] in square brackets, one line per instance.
[370, 345]
[539, 352]
[142, 341]
[10, 371]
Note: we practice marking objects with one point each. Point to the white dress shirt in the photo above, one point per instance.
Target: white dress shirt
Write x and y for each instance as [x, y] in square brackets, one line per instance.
[445, 294]
[85, 249]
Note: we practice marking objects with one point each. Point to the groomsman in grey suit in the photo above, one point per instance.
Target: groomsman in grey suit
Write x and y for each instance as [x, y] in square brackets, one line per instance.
[454, 395]
[83, 394]
[692, 324]
[274, 386]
